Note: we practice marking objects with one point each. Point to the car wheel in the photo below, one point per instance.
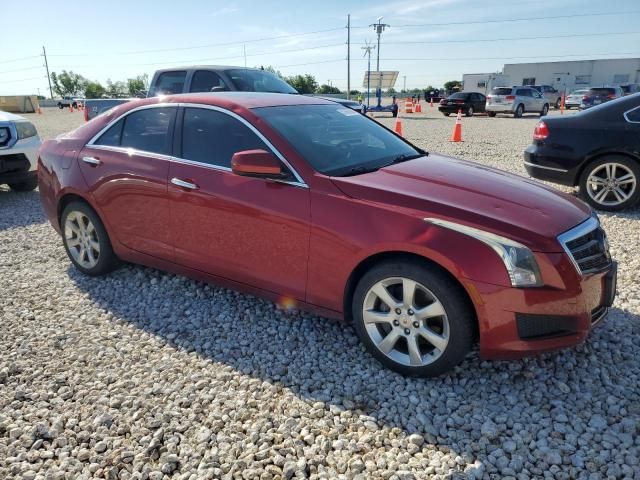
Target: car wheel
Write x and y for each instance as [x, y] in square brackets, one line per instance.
[558, 103]
[611, 183]
[394, 113]
[60, 106]
[519, 111]
[25, 186]
[412, 318]
[491, 114]
[86, 240]
[446, 114]
[545, 110]
[469, 112]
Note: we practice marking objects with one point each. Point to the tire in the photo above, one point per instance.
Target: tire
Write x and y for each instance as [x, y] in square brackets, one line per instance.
[595, 180]
[60, 106]
[27, 185]
[558, 103]
[446, 114]
[394, 113]
[469, 112]
[519, 111]
[76, 213]
[545, 110]
[454, 328]
[74, 105]
[491, 114]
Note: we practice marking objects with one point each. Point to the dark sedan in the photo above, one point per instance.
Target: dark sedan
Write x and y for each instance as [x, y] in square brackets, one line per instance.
[597, 149]
[468, 102]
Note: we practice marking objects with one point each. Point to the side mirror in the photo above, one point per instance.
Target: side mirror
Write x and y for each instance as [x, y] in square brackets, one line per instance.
[256, 163]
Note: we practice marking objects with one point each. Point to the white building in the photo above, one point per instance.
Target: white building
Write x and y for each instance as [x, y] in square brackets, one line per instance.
[483, 82]
[575, 74]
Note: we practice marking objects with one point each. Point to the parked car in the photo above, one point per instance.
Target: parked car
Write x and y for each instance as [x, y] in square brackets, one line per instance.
[598, 95]
[297, 197]
[435, 95]
[630, 88]
[69, 101]
[210, 78]
[19, 143]
[553, 96]
[516, 101]
[597, 150]
[574, 99]
[468, 102]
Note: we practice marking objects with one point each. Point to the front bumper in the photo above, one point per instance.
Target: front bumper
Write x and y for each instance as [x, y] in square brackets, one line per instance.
[520, 322]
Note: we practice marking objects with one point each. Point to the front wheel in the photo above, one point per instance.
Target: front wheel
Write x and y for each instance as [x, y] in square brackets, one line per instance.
[86, 240]
[491, 114]
[611, 183]
[60, 106]
[469, 112]
[545, 110]
[519, 111]
[413, 318]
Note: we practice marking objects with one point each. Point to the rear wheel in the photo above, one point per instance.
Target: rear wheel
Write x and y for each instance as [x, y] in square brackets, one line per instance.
[545, 110]
[611, 183]
[25, 186]
[558, 103]
[446, 114]
[469, 112]
[519, 111]
[86, 240]
[491, 114]
[413, 318]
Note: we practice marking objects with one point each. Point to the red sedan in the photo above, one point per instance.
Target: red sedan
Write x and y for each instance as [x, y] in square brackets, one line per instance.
[308, 203]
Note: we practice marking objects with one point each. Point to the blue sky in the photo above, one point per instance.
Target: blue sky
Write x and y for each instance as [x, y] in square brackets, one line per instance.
[119, 39]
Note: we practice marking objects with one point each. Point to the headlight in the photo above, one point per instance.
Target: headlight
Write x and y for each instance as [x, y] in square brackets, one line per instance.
[5, 136]
[25, 130]
[519, 261]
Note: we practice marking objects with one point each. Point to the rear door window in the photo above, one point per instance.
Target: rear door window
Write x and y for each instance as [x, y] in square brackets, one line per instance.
[149, 130]
[111, 137]
[168, 83]
[523, 92]
[205, 81]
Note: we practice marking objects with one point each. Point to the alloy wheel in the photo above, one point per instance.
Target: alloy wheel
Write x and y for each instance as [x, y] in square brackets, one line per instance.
[406, 321]
[81, 239]
[611, 184]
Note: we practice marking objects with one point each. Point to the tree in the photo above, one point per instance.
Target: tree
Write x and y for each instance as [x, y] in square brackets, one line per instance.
[354, 92]
[68, 83]
[116, 89]
[453, 85]
[303, 83]
[272, 70]
[94, 90]
[138, 85]
[391, 91]
[324, 89]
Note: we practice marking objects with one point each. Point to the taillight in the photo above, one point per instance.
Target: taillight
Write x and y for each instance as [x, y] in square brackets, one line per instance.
[541, 132]
[489, 97]
[585, 97]
[611, 96]
[510, 97]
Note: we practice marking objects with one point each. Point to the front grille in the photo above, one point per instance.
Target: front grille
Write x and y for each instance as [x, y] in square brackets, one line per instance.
[587, 246]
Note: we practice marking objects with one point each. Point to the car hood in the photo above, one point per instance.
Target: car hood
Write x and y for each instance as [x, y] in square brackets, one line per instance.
[10, 117]
[472, 194]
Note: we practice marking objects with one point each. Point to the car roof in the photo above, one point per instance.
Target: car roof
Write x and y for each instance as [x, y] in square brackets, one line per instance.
[10, 117]
[207, 67]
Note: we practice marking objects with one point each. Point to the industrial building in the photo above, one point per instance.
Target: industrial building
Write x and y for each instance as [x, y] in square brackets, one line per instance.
[564, 75]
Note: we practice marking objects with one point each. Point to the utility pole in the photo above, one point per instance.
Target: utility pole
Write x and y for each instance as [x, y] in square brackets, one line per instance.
[404, 79]
[44, 53]
[349, 56]
[244, 51]
[379, 28]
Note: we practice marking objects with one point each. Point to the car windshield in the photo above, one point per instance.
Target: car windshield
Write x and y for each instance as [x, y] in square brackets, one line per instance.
[335, 140]
[501, 91]
[459, 96]
[601, 91]
[248, 80]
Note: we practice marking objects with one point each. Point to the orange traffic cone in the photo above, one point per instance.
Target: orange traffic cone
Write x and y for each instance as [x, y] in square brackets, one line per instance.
[398, 127]
[456, 136]
[39, 110]
[431, 102]
[418, 107]
[70, 108]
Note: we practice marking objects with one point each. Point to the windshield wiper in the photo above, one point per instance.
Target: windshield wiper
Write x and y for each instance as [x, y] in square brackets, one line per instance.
[361, 169]
[404, 157]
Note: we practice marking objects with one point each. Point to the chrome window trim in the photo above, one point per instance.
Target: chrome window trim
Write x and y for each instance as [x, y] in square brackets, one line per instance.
[628, 112]
[578, 231]
[299, 182]
[546, 168]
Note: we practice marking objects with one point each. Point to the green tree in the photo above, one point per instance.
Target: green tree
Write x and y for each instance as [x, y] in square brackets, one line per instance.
[354, 92]
[68, 83]
[324, 89]
[116, 89]
[138, 85]
[272, 70]
[94, 90]
[453, 85]
[303, 83]
[391, 91]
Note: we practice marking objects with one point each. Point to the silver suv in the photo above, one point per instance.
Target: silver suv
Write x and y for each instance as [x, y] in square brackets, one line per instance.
[553, 96]
[516, 101]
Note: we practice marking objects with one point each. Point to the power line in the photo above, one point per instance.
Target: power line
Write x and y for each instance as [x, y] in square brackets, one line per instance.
[19, 59]
[311, 63]
[541, 37]
[236, 42]
[507, 58]
[506, 20]
[19, 70]
[22, 80]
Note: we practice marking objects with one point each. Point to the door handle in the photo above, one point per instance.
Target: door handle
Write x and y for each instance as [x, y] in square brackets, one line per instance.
[92, 161]
[184, 184]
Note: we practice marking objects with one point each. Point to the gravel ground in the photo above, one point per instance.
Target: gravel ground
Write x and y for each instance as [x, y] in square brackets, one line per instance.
[147, 375]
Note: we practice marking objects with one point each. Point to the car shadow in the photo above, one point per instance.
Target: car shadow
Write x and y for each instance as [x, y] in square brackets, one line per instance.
[323, 360]
[20, 209]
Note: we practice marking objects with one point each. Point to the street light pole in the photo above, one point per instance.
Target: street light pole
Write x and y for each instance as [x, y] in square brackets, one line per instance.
[379, 28]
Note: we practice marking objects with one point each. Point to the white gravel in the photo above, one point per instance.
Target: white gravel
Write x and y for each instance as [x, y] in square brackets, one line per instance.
[147, 375]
